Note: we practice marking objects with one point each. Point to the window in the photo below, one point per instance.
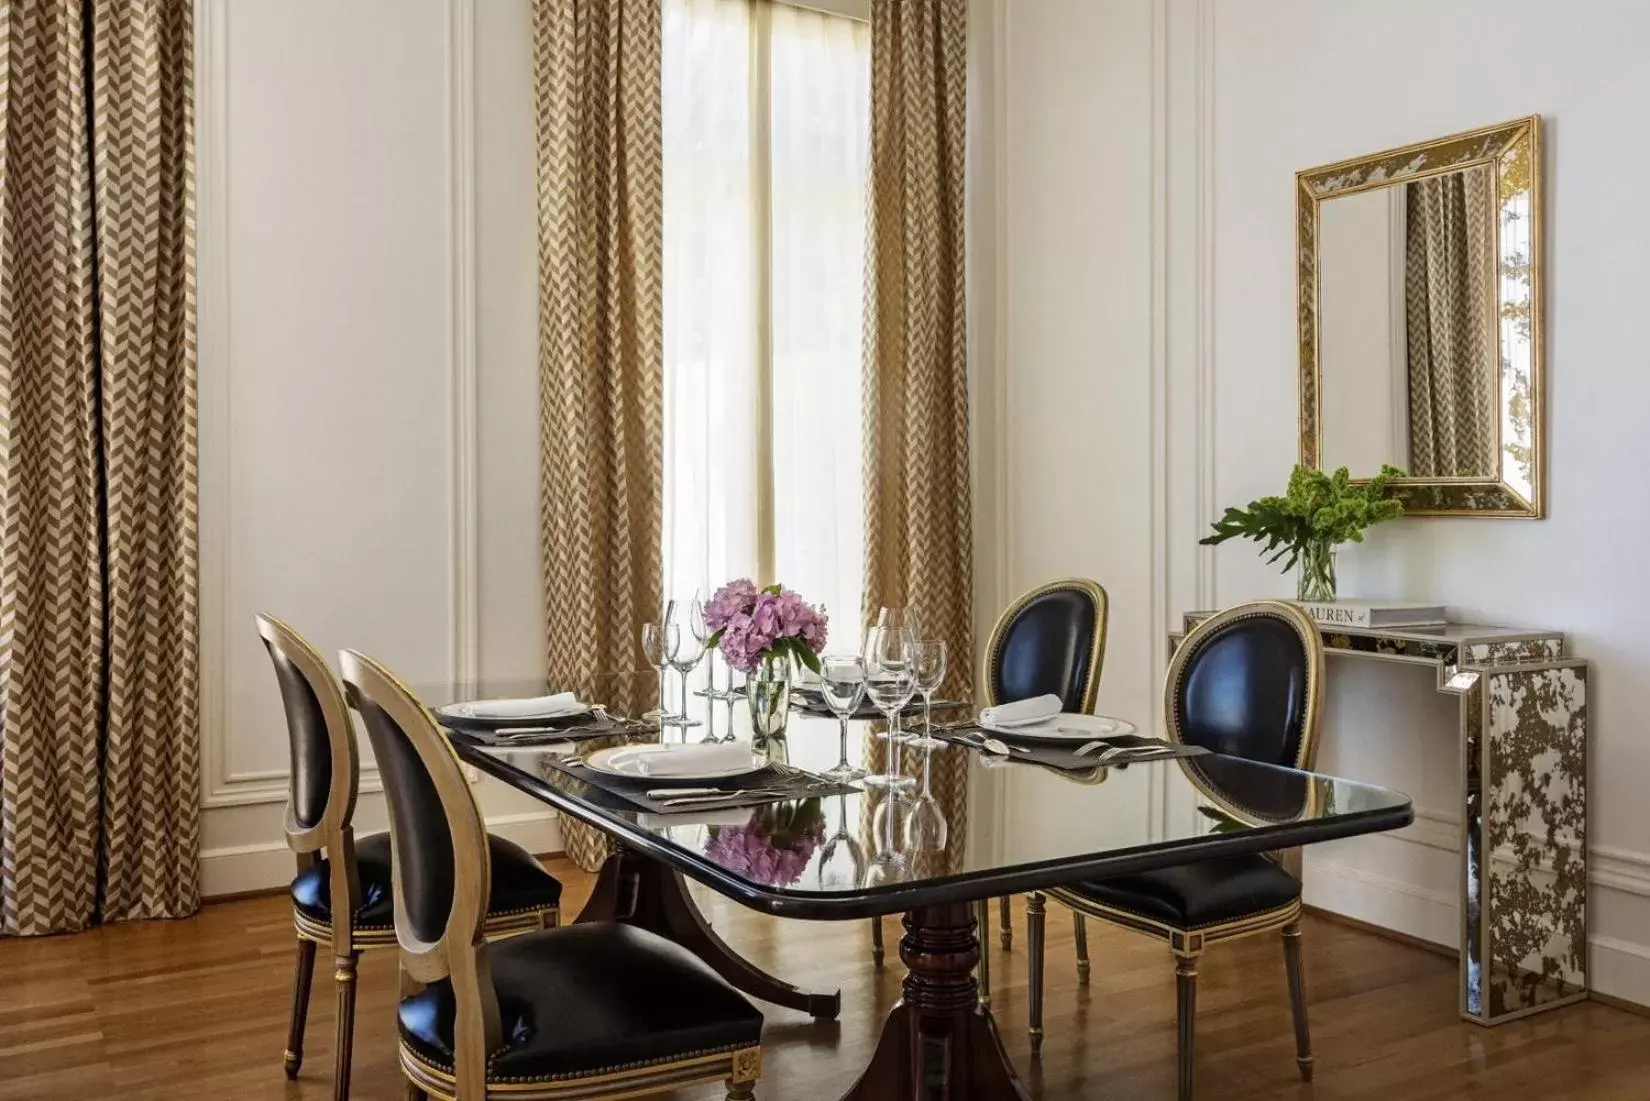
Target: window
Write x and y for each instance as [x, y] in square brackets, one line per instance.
[766, 151]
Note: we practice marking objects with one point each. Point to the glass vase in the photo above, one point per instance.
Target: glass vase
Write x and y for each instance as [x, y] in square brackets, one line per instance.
[768, 690]
[1316, 569]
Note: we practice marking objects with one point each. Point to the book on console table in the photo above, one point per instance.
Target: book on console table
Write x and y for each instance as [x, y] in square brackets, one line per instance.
[1374, 613]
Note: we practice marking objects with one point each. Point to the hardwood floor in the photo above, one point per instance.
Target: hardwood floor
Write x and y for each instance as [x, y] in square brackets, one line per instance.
[198, 1009]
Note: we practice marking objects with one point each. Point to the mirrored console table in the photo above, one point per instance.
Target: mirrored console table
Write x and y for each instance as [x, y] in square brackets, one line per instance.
[1523, 736]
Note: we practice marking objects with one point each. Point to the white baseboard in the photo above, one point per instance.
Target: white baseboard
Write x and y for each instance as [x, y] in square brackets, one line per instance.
[239, 869]
[1406, 908]
[1620, 969]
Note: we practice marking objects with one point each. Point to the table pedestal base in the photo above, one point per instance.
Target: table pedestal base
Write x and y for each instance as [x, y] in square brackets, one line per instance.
[939, 1043]
[641, 892]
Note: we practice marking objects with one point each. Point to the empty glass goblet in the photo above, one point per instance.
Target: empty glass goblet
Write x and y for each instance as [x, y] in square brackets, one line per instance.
[928, 662]
[659, 644]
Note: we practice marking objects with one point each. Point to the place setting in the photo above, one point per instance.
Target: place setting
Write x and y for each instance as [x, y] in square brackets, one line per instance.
[674, 778]
[549, 720]
[1038, 731]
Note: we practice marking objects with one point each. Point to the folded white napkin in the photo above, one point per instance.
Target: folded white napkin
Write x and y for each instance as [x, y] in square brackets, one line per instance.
[1038, 709]
[694, 760]
[538, 707]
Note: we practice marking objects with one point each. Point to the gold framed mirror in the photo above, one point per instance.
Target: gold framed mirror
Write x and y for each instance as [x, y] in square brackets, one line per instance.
[1420, 313]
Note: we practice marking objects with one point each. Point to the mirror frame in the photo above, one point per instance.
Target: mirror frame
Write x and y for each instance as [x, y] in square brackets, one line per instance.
[1488, 146]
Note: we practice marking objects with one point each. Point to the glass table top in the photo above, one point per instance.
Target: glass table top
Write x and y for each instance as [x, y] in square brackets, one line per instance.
[842, 856]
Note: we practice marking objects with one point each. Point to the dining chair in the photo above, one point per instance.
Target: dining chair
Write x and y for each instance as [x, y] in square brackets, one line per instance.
[594, 1010]
[1245, 683]
[1051, 641]
[333, 865]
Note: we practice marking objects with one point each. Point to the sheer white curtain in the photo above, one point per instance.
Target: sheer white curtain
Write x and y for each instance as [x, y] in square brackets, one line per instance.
[766, 139]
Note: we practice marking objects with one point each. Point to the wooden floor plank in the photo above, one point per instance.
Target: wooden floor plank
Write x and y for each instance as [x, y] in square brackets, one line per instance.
[196, 1010]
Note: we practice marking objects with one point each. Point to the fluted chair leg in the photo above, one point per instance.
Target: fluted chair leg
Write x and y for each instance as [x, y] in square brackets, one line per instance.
[1081, 928]
[1185, 973]
[1297, 998]
[876, 943]
[740, 1091]
[1006, 919]
[1034, 968]
[982, 918]
[303, 973]
[414, 1093]
[345, 976]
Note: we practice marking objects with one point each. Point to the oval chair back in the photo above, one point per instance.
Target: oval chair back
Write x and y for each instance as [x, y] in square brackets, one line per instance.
[438, 845]
[1051, 641]
[325, 767]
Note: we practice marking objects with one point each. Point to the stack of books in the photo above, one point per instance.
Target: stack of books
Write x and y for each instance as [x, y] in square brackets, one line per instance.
[1370, 614]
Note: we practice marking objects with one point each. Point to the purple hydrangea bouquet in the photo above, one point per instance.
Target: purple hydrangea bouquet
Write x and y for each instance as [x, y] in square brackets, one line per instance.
[760, 632]
[775, 846]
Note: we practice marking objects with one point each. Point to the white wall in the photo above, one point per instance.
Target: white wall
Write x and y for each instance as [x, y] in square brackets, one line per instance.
[368, 423]
[1149, 367]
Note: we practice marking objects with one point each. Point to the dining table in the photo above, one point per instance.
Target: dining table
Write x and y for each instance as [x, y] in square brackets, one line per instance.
[840, 855]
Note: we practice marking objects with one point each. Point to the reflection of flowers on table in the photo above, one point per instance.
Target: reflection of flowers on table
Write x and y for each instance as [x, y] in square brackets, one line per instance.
[774, 847]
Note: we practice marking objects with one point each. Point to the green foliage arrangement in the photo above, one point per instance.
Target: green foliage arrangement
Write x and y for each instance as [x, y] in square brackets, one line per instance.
[1319, 509]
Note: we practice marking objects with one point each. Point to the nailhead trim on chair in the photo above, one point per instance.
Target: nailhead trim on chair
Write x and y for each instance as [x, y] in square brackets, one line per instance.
[447, 1072]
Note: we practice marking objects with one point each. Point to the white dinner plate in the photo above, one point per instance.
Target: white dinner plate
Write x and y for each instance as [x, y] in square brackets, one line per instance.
[489, 711]
[1066, 728]
[634, 762]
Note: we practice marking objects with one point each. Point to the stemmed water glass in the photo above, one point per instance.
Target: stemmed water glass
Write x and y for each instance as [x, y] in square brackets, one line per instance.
[659, 644]
[841, 842]
[689, 650]
[890, 682]
[928, 659]
[842, 685]
[702, 632]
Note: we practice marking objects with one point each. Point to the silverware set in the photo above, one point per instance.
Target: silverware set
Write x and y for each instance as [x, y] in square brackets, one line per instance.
[1107, 754]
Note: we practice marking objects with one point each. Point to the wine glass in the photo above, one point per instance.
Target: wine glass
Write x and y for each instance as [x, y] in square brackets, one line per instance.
[842, 685]
[887, 864]
[701, 632]
[890, 682]
[659, 644]
[689, 650]
[928, 659]
[925, 827]
[843, 842]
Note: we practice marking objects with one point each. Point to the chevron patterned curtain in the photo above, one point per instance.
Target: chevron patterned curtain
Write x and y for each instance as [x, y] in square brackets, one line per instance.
[596, 90]
[601, 343]
[1449, 306]
[918, 533]
[99, 786]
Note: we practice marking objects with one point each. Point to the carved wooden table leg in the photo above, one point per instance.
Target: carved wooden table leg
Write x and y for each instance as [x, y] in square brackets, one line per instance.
[939, 1043]
[648, 895]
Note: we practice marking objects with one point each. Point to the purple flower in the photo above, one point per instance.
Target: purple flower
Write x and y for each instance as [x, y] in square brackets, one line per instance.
[774, 848]
[765, 615]
[730, 600]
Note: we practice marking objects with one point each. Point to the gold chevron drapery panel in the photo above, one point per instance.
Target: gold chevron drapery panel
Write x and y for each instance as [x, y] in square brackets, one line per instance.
[596, 89]
[99, 784]
[918, 537]
[601, 341]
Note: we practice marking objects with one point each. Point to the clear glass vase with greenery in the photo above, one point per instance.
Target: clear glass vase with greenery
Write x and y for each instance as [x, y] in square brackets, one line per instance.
[1318, 513]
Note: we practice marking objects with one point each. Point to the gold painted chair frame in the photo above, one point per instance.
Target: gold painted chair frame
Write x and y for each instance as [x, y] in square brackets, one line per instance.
[459, 955]
[1512, 151]
[334, 835]
[1188, 944]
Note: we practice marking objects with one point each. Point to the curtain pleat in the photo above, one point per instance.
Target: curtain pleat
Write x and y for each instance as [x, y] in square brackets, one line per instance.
[99, 783]
[1449, 282]
[918, 534]
[596, 86]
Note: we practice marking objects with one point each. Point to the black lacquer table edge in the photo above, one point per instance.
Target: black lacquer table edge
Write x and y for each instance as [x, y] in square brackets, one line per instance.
[937, 1040]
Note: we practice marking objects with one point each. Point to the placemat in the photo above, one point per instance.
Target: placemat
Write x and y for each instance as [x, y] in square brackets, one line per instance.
[593, 724]
[774, 784]
[1062, 757]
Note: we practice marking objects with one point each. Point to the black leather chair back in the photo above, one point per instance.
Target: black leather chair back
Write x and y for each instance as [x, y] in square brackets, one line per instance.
[423, 845]
[1051, 641]
[310, 743]
[1245, 683]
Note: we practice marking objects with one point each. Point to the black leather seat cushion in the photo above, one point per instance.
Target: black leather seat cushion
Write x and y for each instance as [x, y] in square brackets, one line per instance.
[1194, 896]
[585, 998]
[519, 883]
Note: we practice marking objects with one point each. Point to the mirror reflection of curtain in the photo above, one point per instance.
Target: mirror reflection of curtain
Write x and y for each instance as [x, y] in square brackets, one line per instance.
[1449, 303]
